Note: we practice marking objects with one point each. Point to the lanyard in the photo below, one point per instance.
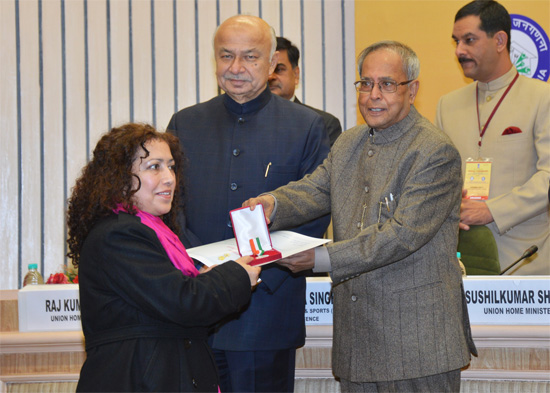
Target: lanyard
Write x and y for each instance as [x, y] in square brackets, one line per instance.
[482, 132]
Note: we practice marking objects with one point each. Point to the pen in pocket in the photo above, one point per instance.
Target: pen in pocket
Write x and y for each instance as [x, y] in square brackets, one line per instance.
[267, 169]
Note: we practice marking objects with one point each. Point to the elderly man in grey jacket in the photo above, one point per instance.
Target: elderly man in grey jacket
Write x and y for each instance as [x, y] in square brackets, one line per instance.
[393, 188]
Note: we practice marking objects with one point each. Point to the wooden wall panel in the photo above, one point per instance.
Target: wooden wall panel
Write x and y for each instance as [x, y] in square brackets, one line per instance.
[10, 181]
[28, 166]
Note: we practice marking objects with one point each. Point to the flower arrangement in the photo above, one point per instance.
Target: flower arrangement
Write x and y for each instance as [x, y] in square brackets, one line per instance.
[68, 275]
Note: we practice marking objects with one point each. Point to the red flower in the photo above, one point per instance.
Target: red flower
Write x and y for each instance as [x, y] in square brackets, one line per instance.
[75, 280]
[57, 278]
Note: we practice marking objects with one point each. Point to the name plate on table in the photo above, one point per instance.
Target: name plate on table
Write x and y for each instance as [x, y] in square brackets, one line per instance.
[492, 300]
[49, 308]
[508, 300]
[318, 301]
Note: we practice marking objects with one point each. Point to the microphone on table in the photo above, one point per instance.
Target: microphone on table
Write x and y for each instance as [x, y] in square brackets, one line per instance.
[530, 251]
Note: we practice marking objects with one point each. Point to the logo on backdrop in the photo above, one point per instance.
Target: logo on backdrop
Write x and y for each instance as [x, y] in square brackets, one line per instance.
[529, 48]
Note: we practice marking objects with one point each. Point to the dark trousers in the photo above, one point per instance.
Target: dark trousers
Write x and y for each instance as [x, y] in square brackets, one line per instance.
[256, 371]
[445, 382]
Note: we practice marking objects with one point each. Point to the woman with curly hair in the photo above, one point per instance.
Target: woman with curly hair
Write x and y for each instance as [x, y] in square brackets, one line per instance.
[145, 308]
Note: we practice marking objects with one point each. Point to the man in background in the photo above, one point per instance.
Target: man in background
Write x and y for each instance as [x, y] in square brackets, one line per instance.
[238, 145]
[393, 187]
[503, 121]
[285, 78]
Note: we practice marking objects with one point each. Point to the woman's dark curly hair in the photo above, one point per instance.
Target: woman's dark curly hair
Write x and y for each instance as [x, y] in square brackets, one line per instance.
[106, 181]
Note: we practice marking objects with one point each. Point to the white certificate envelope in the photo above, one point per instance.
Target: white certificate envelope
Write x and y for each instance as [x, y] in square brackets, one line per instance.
[287, 242]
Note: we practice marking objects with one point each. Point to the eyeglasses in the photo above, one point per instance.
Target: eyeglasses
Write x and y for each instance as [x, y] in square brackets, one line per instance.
[386, 86]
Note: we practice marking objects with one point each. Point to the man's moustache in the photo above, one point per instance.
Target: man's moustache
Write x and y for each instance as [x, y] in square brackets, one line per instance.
[236, 77]
[462, 60]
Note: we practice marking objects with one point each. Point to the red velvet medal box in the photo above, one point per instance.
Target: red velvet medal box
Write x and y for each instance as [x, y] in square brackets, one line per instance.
[252, 235]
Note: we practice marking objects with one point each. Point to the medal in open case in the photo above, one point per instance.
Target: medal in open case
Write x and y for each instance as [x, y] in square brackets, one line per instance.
[252, 235]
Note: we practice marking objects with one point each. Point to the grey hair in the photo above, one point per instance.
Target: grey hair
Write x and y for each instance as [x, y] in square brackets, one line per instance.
[273, 43]
[271, 31]
[411, 64]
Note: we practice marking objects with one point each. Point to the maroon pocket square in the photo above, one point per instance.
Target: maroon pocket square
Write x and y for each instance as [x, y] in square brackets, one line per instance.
[511, 130]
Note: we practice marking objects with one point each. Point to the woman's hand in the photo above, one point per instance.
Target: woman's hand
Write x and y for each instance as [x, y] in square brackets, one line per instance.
[205, 269]
[253, 271]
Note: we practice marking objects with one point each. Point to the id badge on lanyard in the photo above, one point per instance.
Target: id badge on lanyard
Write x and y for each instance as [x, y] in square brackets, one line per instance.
[477, 178]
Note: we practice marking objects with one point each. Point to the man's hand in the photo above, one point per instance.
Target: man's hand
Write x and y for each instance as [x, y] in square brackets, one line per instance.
[473, 212]
[267, 201]
[298, 262]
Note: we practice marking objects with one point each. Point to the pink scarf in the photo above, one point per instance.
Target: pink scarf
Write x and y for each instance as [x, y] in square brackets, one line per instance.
[169, 240]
